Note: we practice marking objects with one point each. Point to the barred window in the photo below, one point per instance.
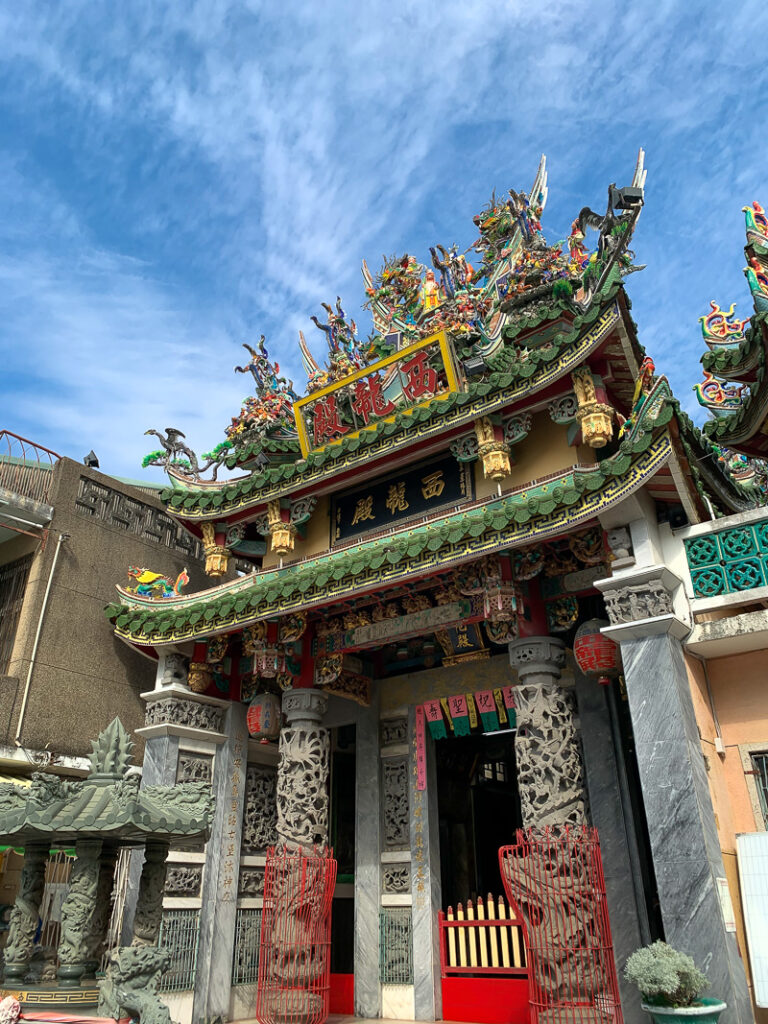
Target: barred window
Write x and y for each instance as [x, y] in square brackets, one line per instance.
[179, 934]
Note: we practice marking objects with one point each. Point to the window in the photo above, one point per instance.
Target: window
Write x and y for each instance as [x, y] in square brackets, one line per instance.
[493, 771]
[760, 776]
[13, 581]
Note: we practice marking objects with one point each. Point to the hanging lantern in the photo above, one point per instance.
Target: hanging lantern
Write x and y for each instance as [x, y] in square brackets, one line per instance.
[500, 602]
[596, 654]
[263, 717]
[269, 661]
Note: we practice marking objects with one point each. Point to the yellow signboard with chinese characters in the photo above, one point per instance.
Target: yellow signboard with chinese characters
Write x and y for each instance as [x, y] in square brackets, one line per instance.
[407, 379]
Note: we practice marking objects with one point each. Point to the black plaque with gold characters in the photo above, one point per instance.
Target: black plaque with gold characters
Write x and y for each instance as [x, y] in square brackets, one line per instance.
[408, 494]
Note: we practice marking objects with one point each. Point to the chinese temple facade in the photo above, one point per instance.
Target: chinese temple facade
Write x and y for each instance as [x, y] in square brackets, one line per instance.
[461, 607]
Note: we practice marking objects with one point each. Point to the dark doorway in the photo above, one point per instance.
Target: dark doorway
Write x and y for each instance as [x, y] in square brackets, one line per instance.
[342, 836]
[479, 811]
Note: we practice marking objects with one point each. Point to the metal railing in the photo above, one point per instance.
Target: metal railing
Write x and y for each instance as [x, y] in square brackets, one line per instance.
[26, 467]
[396, 946]
[245, 962]
[179, 933]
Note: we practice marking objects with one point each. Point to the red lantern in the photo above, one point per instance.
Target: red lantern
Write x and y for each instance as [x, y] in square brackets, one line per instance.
[263, 717]
[595, 653]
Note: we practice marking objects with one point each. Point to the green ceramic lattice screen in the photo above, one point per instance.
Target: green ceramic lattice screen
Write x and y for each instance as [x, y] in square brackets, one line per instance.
[729, 561]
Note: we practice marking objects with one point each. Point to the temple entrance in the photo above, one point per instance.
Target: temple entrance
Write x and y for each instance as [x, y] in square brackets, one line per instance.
[479, 811]
[483, 967]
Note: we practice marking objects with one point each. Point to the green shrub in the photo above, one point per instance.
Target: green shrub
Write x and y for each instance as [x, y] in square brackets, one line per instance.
[664, 976]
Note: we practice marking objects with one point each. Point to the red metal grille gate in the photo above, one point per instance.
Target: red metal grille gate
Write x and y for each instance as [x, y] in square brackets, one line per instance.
[555, 878]
[294, 951]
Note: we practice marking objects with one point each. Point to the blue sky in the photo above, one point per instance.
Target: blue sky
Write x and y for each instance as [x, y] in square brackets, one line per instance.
[182, 177]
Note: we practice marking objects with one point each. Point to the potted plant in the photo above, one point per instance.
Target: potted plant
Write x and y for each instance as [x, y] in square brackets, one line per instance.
[670, 984]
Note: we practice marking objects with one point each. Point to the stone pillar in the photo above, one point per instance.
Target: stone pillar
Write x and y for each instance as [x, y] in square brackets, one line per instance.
[302, 770]
[673, 777]
[174, 715]
[102, 911]
[367, 869]
[149, 906]
[398, 865]
[218, 910]
[550, 772]
[25, 913]
[77, 912]
[425, 883]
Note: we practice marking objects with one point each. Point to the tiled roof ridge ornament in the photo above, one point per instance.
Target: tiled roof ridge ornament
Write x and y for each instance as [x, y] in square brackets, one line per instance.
[154, 584]
[721, 328]
[112, 753]
[265, 373]
[271, 407]
[176, 455]
[756, 224]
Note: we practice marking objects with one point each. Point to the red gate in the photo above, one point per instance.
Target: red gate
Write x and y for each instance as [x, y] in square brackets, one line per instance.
[555, 877]
[483, 963]
[294, 951]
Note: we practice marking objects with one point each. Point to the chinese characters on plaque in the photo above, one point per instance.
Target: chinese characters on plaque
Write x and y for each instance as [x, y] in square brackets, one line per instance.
[409, 494]
[407, 378]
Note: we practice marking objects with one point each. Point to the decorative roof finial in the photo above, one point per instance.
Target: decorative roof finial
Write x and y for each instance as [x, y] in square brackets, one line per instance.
[111, 756]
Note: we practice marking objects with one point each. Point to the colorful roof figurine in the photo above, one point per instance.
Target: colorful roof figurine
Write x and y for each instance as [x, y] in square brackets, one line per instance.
[721, 329]
[735, 389]
[757, 226]
[107, 805]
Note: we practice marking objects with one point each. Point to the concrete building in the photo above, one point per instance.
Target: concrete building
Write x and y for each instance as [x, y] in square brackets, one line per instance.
[67, 532]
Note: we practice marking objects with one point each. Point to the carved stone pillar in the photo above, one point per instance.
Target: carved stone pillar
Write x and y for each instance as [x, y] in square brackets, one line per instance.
[302, 770]
[149, 906]
[550, 772]
[25, 913]
[102, 912]
[77, 912]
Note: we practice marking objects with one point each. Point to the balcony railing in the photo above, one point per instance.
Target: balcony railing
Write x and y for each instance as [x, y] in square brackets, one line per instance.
[728, 561]
[25, 467]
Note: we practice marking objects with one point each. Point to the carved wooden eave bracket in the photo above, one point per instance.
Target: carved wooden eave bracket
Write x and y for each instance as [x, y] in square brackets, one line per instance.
[283, 520]
[594, 414]
[492, 441]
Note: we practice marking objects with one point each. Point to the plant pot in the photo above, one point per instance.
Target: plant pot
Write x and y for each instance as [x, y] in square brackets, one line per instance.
[707, 1012]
